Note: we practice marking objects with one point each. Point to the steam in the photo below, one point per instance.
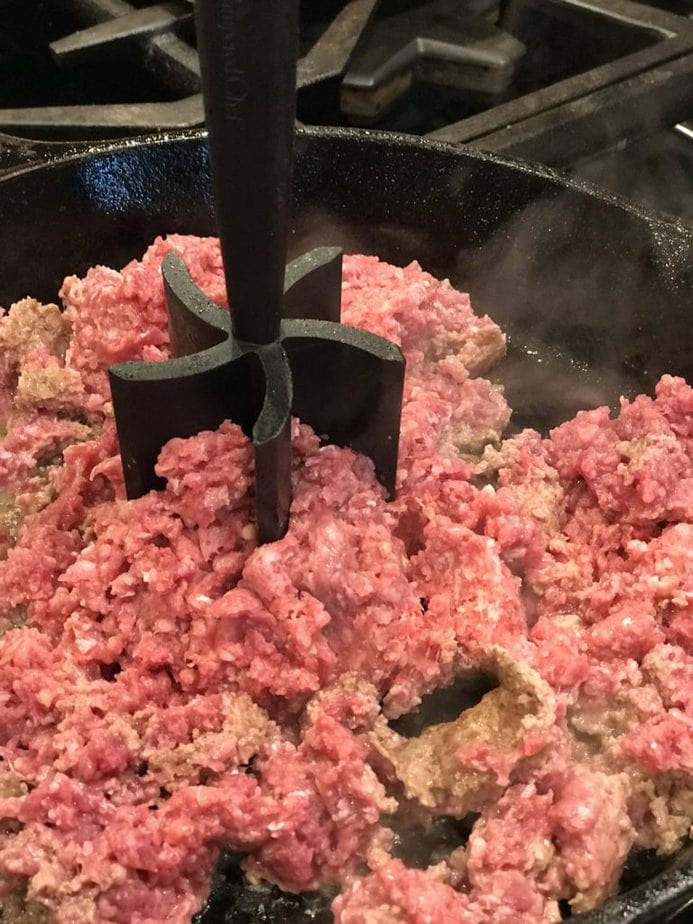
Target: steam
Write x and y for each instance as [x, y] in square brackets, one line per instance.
[568, 278]
[588, 315]
[655, 173]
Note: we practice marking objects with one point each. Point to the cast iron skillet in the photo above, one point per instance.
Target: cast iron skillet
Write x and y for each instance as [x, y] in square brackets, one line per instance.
[594, 294]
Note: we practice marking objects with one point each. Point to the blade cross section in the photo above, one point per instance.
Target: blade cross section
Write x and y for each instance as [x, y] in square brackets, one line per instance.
[345, 382]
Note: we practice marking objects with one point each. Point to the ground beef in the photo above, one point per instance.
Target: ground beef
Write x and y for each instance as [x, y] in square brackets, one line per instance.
[457, 767]
[168, 688]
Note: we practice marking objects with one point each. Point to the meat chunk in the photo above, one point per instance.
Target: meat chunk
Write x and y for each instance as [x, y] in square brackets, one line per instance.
[593, 834]
[397, 895]
[421, 314]
[170, 689]
[244, 731]
[29, 326]
[454, 768]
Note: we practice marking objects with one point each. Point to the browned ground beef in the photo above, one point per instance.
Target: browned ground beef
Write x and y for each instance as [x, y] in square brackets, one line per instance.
[168, 688]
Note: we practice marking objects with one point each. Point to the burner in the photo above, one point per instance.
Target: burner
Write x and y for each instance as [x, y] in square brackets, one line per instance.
[439, 43]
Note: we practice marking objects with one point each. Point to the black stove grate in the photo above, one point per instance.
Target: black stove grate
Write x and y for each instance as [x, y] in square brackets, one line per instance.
[644, 86]
[84, 69]
[472, 72]
[98, 68]
[593, 87]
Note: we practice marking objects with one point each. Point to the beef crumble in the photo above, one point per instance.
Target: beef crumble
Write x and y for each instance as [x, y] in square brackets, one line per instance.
[169, 688]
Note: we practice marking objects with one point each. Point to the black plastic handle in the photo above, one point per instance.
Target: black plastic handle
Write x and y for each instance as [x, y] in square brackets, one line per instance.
[248, 51]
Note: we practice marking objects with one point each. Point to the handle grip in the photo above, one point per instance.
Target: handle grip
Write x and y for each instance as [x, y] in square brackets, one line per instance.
[248, 51]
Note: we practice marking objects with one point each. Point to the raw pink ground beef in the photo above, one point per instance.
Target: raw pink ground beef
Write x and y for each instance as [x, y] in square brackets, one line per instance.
[168, 688]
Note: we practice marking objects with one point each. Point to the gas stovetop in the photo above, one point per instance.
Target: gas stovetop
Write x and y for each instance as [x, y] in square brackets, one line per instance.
[600, 89]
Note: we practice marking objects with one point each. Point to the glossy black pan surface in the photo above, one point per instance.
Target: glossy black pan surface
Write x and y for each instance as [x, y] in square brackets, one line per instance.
[595, 295]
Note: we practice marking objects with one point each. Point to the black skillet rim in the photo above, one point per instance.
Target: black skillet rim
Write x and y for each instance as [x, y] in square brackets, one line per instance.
[55, 153]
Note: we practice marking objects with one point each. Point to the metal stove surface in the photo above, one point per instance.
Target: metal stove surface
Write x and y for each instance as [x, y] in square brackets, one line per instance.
[597, 88]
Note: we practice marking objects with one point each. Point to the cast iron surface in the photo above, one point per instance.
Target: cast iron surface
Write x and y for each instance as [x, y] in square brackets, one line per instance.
[596, 295]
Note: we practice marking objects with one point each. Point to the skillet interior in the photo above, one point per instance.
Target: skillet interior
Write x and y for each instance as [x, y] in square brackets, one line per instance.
[594, 294]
